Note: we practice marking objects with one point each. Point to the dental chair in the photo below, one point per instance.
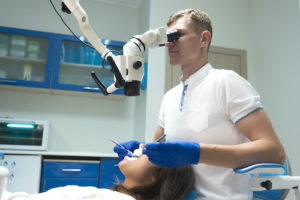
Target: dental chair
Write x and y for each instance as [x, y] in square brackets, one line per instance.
[271, 181]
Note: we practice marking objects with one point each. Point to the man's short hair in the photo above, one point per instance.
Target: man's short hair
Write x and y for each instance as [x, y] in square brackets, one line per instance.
[199, 19]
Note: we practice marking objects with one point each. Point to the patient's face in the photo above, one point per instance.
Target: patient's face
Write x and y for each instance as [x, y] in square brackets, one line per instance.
[137, 172]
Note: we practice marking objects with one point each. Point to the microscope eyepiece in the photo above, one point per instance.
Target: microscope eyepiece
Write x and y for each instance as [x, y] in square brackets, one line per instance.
[173, 35]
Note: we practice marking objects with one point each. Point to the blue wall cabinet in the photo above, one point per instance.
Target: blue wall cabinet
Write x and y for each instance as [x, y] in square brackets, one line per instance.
[26, 57]
[75, 61]
[56, 173]
[110, 172]
[48, 60]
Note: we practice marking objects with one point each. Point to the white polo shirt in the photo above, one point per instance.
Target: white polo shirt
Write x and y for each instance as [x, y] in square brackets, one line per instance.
[205, 109]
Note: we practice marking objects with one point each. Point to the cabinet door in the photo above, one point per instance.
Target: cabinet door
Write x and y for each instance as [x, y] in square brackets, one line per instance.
[75, 61]
[26, 57]
[110, 172]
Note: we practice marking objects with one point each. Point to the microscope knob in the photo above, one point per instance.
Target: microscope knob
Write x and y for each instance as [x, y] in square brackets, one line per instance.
[137, 64]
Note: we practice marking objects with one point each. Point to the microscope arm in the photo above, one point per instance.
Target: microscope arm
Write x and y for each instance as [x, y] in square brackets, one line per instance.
[128, 69]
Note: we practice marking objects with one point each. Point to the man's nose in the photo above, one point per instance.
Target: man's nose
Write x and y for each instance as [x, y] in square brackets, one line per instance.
[170, 44]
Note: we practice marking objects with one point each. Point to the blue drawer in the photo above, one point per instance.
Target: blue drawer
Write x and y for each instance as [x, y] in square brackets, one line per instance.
[70, 169]
[110, 165]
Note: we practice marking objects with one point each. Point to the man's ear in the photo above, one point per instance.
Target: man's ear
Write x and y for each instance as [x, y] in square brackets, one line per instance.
[205, 38]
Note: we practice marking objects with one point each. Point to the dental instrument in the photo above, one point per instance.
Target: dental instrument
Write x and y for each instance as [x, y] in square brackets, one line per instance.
[133, 155]
[116, 143]
[161, 138]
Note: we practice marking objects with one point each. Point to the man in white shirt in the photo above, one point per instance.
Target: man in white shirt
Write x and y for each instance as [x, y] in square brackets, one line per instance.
[213, 119]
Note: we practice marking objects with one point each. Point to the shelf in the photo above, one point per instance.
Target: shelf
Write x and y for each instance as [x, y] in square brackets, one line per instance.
[67, 64]
[22, 59]
[46, 91]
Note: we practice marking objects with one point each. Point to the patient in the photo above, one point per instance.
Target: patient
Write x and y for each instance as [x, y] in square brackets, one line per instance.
[143, 181]
[146, 181]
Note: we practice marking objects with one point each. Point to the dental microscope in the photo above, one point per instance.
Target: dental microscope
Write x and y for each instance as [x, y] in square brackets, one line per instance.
[128, 69]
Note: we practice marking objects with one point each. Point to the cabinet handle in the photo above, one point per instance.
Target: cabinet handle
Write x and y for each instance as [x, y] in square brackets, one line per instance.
[71, 170]
[91, 88]
[8, 81]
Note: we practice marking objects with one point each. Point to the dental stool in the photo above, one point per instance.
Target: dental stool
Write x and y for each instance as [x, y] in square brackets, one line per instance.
[271, 181]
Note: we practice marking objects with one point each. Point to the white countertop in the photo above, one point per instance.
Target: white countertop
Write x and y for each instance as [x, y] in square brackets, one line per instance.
[59, 153]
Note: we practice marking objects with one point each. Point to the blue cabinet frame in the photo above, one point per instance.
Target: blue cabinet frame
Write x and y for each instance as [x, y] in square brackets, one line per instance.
[53, 62]
[49, 61]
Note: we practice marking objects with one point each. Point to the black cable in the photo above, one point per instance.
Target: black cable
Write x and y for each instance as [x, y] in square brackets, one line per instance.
[69, 27]
[104, 57]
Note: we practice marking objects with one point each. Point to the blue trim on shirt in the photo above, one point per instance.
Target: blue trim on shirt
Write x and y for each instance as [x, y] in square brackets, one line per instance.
[182, 97]
[248, 114]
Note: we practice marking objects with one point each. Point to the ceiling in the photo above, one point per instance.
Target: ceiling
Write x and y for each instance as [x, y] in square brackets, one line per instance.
[129, 3]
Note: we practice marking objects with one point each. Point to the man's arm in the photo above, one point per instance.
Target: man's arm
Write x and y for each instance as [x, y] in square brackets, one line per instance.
[264, 145]
[158, 133]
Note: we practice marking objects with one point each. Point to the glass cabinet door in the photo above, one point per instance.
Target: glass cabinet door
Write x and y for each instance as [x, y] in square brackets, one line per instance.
[75, 61]
[25, 57]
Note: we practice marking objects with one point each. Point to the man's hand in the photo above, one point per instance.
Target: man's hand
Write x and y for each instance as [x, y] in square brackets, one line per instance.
[174, 153]
[130, 145]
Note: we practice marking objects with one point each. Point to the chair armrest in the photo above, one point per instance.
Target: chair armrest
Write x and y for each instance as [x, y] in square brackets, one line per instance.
[266, 169]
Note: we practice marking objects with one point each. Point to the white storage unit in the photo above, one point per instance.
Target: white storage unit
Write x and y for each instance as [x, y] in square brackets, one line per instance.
[24, 172]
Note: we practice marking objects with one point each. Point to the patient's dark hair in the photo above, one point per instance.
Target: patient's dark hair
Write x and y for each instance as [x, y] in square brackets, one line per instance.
[170, 184]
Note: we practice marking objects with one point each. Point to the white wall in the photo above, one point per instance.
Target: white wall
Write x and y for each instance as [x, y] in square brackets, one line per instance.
[107, 19]
[275, 64]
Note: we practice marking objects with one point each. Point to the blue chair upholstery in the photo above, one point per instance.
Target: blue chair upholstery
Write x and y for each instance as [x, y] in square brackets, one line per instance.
[191, 196]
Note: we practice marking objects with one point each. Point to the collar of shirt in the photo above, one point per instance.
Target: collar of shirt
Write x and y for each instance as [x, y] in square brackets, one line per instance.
[197, 76]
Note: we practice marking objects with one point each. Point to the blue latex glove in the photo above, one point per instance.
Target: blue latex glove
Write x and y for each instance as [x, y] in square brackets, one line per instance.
[174, 153]
[130, 145]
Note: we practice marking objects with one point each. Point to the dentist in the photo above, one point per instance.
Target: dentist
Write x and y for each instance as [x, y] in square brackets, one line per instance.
[213, 119]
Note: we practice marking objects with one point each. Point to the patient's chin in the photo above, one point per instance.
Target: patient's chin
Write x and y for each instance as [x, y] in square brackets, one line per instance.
[123, 163]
